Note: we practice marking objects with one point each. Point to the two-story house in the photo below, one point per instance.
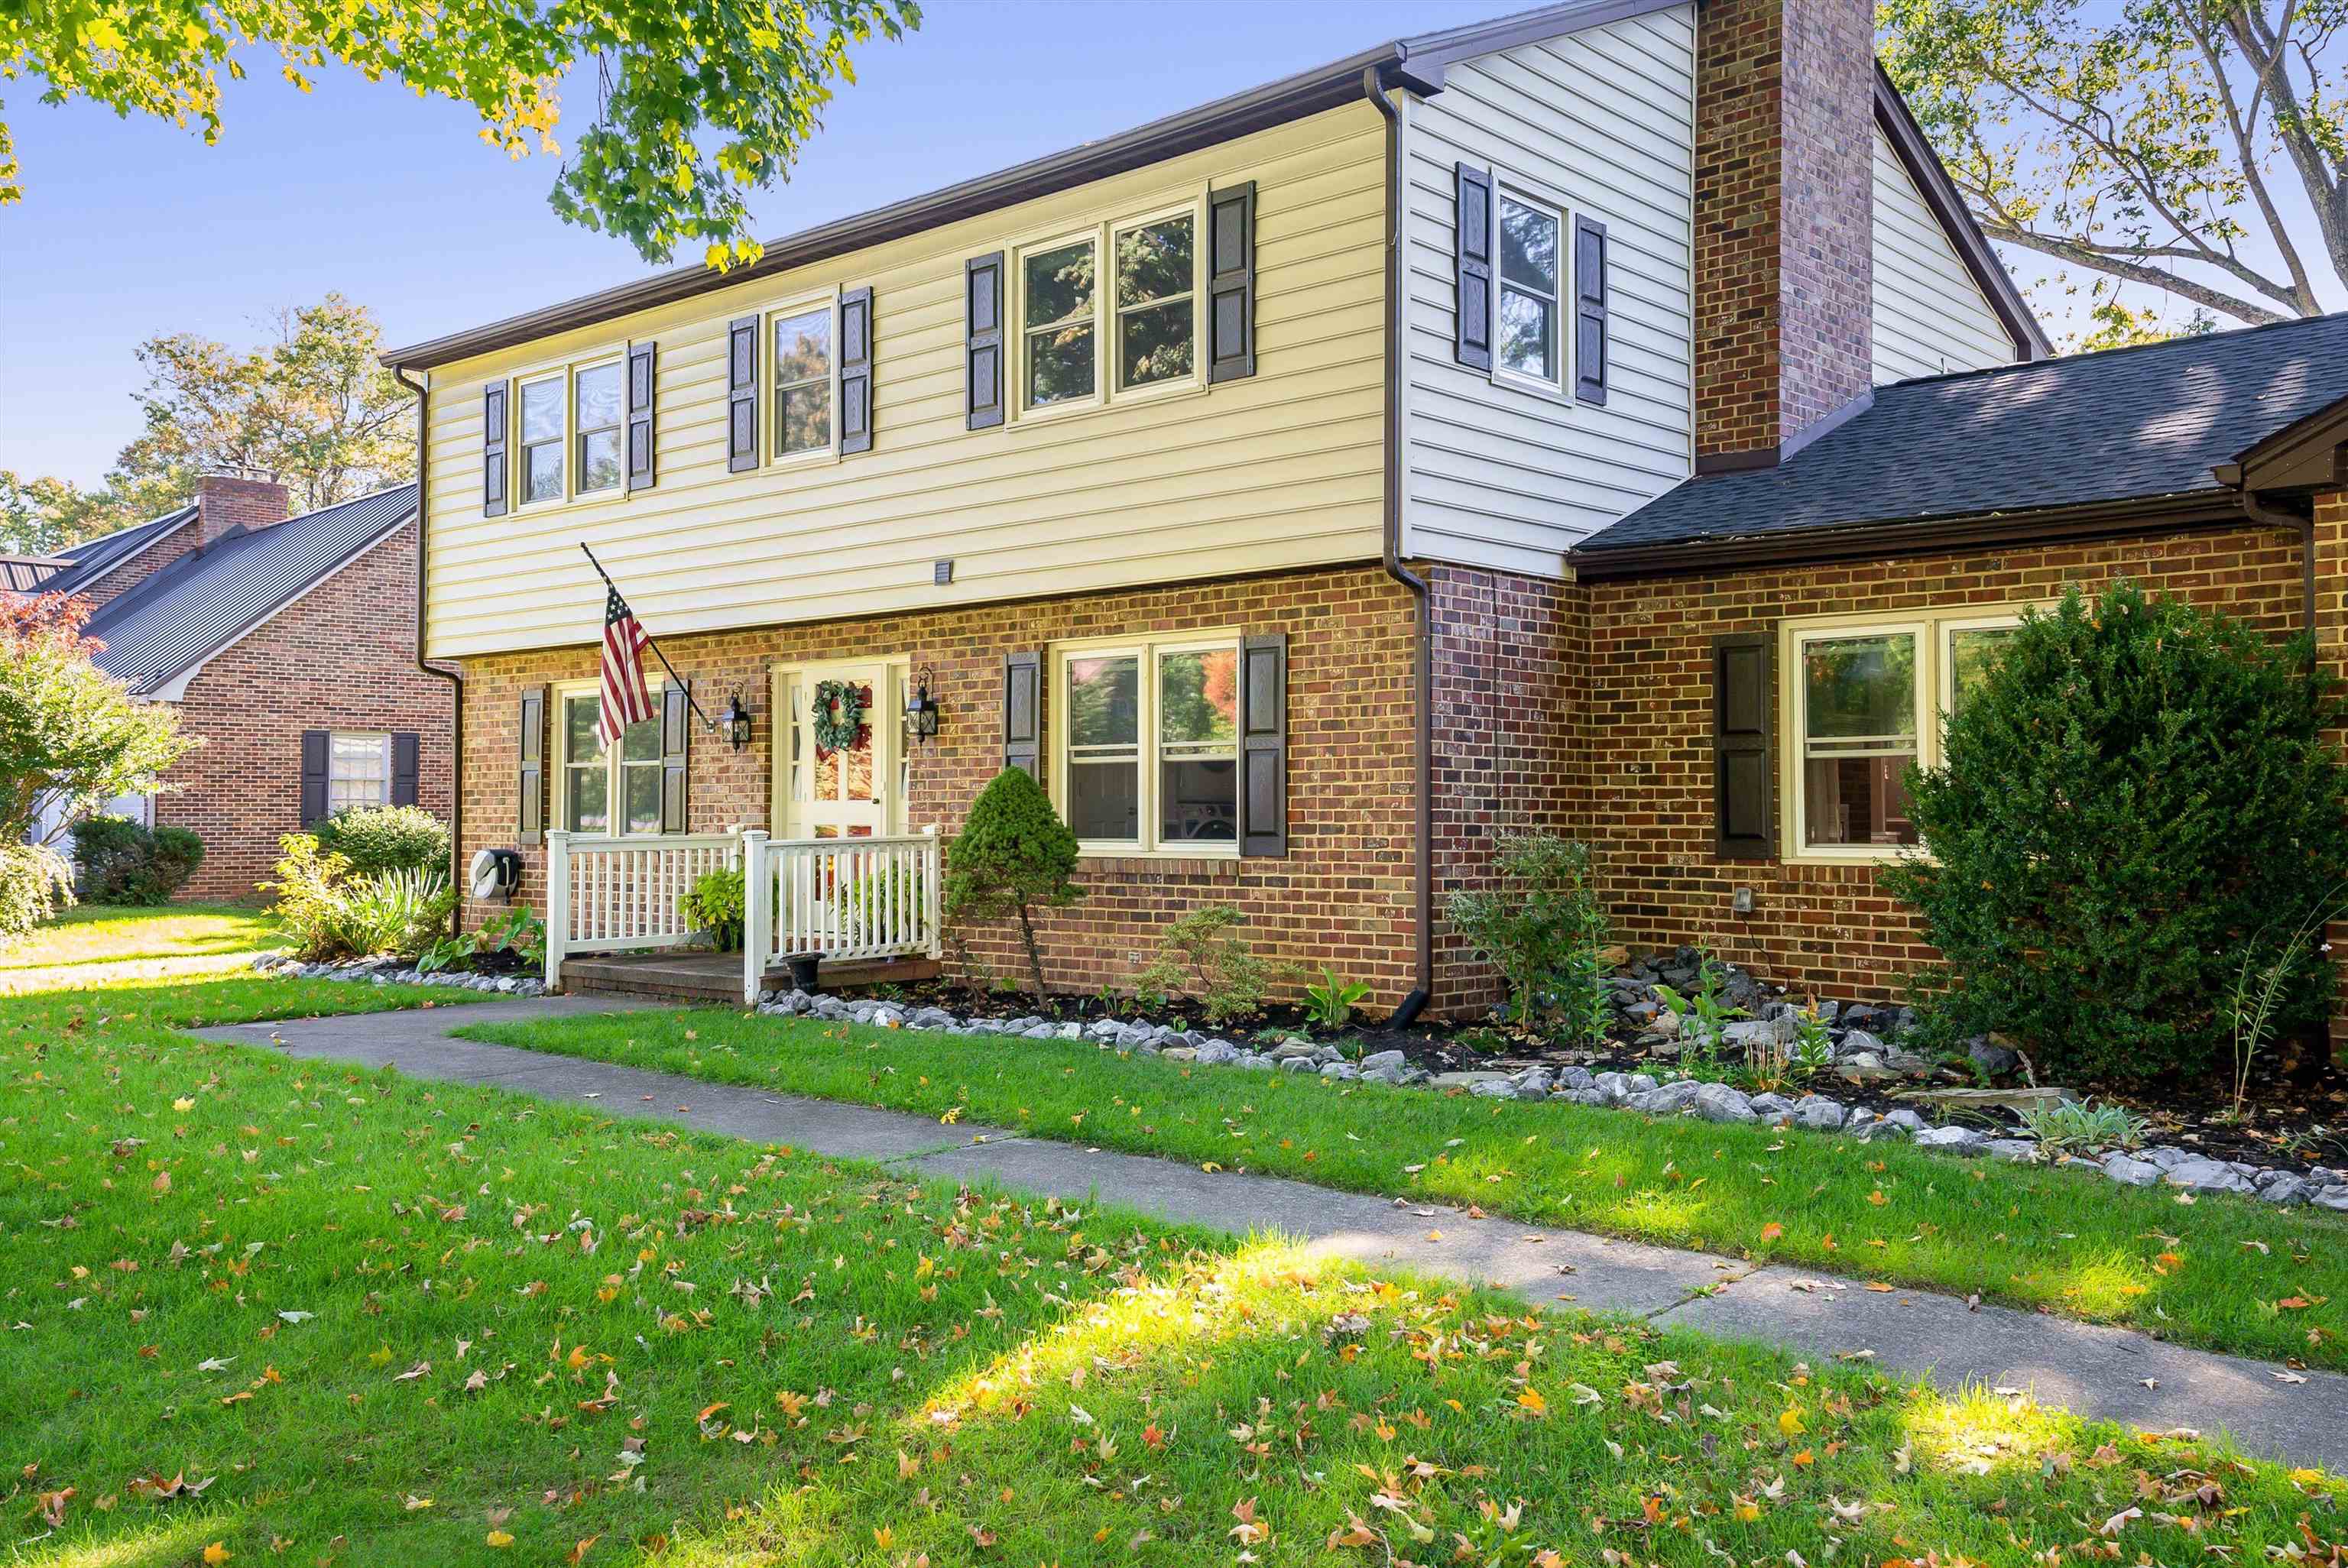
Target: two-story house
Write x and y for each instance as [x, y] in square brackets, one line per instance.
[1228, 474]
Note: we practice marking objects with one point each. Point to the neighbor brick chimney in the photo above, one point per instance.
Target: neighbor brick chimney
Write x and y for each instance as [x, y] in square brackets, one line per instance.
[225, 500]
[1785, 155]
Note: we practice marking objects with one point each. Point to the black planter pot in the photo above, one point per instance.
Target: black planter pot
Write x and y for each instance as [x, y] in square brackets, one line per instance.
[802, 965]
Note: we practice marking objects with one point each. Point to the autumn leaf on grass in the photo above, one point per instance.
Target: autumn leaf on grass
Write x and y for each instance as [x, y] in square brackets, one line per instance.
[1772, 1231]
[1790, 1422]
[1248, 1532]
[1531, 1400]
[499, 1538]
[216, 1553]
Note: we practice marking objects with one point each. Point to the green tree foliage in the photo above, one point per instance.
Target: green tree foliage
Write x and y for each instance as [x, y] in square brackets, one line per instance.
[2166, 144]
[376, 839]
[311, 407]
[694, 104]
[2137, 793]
[1015, 856]
[1538, 922]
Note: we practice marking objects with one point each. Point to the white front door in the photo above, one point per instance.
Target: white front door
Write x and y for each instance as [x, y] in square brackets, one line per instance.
[849, 790]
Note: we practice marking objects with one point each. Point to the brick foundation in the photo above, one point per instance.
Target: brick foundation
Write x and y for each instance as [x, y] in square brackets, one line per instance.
[341, 657]
[1342, 896]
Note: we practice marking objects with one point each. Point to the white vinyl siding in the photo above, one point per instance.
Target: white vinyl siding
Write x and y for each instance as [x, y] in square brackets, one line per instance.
[1277, 470]
[1930, 316]
[1598, 123]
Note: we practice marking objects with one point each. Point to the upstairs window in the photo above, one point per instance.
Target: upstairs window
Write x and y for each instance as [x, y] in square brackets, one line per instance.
[1156, 302]
[1059, 306]
[541, 440]
[597, 394]
[1527, 340]
[803, 382]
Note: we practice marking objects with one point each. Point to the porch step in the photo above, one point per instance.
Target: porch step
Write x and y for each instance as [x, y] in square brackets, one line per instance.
[714, 980]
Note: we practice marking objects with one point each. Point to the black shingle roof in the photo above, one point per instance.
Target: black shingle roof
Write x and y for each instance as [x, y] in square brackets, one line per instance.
[200, 603]
[93, 558]
[2128, 425]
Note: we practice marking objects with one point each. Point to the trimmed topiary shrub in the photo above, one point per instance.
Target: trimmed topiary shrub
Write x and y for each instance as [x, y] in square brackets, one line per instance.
[2136, 797]
[379, 838]
[123, 862]
[1015, 856]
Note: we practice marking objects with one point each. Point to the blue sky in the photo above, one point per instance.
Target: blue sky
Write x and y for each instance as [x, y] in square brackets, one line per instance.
[131, 228]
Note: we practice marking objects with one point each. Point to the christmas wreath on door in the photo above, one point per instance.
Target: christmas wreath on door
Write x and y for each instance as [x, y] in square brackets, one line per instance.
[838, 714]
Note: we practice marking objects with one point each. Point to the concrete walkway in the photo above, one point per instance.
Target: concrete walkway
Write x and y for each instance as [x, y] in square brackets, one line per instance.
[2109, 1372]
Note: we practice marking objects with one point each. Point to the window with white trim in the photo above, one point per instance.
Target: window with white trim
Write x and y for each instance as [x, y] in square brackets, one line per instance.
[1109, 313]
[358, 771]
[1864, 702]
[595, 397]
[1148, 749]
[568, 436]
[804, 373]
[596, 778]
[1532, 245]
[1059, 325]
[1157, 300]
[542, 423]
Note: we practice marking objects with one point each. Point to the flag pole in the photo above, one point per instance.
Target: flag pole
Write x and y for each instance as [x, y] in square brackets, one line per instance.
[708, 723]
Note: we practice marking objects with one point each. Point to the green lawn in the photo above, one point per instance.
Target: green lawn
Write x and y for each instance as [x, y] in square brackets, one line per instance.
[2226, 1273]
[94, 944]
[264, 1309]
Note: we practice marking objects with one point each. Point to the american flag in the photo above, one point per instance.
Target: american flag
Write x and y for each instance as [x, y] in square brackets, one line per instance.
[626, 700]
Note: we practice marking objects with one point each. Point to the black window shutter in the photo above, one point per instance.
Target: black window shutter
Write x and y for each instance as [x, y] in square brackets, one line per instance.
[1589, 311]
[1472, 243]
[982, 340]
[493, 450]
[1023, 713]
[314, 778]
[1743, 814]
[856, 371]
[1263, 744]
[742, 394]
[529, 816]
[1230, 283]
[643, 363]
[676, 743]
[406, 758]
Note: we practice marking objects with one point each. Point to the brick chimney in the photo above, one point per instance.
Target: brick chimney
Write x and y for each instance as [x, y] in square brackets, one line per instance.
[225, 500]
[1784, 211]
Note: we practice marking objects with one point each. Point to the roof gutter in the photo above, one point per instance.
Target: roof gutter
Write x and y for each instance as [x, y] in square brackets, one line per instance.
[456, 678]
[1423, 637]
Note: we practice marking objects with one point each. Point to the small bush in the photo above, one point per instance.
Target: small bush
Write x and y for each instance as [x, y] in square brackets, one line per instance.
[329, 914]
[381, 838]
[1015, 856]
[1203, 955]
[1540, 925]
[34, 882]
[715, 904]
[124, 862]
[2137, 794]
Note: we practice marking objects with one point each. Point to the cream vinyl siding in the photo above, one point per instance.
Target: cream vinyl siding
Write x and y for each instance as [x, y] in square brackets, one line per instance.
[1598, 122]
[1280, 469]
[1930, 314]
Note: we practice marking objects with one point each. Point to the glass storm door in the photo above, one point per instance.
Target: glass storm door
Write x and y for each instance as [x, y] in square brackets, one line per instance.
[846, 790]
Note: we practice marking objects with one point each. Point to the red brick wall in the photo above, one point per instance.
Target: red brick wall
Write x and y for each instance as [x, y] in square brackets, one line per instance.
[224, 502]
[1784, 194]
[1644, 734]
[340, 657]
[158, 555]
[1342, 896]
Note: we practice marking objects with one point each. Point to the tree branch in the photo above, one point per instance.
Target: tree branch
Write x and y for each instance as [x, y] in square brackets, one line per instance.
[2152, 277]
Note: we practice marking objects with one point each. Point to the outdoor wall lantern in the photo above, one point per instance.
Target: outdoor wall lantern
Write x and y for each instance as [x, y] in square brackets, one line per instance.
[921, 709]
[735, 722]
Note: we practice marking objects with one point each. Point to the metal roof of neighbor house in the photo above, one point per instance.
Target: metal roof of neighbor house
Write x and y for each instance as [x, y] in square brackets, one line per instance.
[93, 558]
[200, 603]
[1418, 63]
[22, 574]
[2134, 426]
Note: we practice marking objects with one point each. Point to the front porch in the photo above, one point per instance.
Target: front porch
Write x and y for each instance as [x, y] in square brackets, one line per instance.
[859, 910]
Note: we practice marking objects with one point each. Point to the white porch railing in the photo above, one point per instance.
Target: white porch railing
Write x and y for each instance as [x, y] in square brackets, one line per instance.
[829, 898]
[839, 898]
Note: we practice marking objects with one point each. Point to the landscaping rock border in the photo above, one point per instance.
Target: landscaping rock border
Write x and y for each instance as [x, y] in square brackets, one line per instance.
[392, 972]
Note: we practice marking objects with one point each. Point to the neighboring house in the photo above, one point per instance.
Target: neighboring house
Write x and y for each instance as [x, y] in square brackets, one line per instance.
[1260, 553]
[288, 646]
[25, 574]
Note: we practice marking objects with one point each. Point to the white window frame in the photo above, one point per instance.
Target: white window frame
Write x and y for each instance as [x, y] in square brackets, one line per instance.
[1932, 630]
[1507, 187]
[565, 372]
[576, 474]
[614, 781]
[770, 417]
[334, 755]
[1148, 650]
[1101, 236]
